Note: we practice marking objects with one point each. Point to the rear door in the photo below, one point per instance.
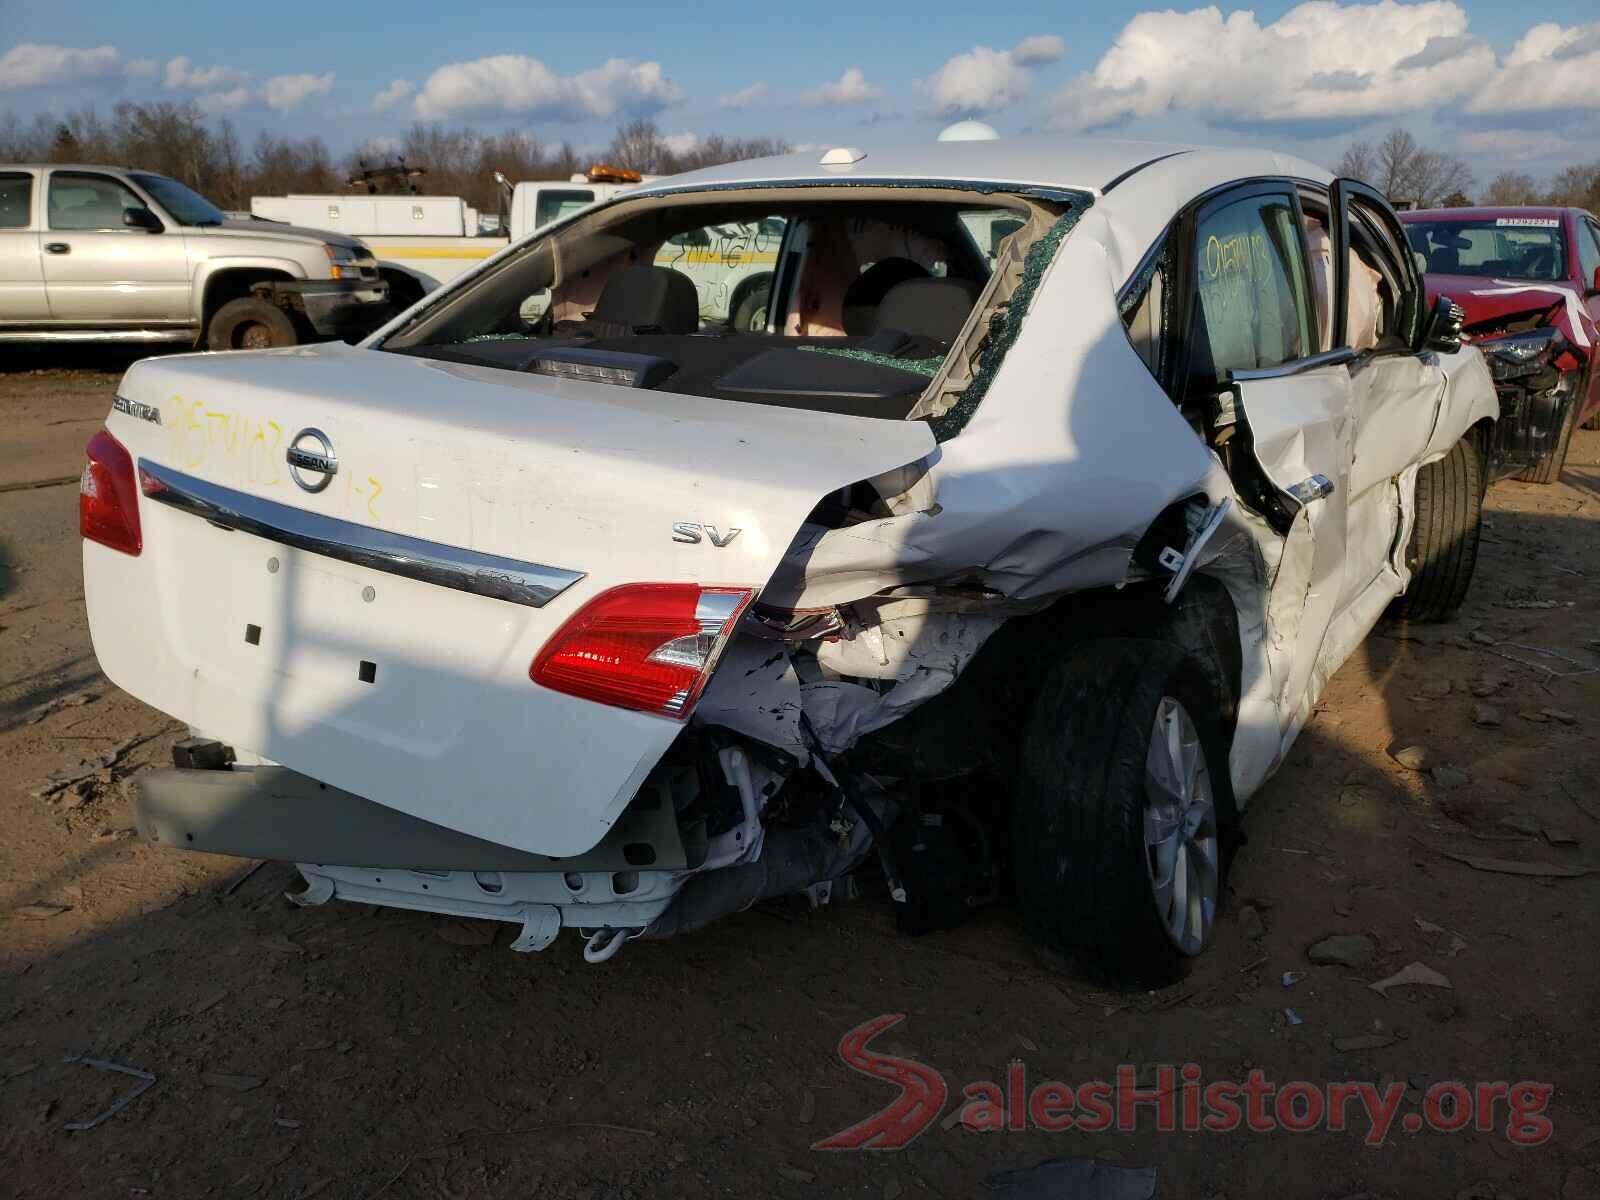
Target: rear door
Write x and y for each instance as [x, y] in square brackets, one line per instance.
[1282, 405]
[99, 271]
[1379, 305]
[22, 293]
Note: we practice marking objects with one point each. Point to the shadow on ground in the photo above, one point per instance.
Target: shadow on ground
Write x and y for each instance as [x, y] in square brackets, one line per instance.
[355, 1052]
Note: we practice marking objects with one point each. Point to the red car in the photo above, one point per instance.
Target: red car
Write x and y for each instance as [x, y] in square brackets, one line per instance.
[1528, 281]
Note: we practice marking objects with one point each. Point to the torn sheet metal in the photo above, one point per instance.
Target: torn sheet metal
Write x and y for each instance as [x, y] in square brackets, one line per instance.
[843, 711]
[756, 692]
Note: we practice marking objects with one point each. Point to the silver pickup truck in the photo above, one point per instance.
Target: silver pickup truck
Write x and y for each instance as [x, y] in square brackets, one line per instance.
[91, 253]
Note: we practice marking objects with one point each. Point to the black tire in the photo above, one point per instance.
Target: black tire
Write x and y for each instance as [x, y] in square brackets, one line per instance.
[1082, 868]
[250, 324]
[1549, 468]
[1443, 550]
[750, 314]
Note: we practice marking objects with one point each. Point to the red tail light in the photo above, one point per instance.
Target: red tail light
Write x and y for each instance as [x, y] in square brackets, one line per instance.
[645, 646]
[108, 496]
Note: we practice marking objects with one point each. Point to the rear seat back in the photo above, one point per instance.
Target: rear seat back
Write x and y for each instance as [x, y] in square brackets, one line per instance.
[645, 300]
[929, 308]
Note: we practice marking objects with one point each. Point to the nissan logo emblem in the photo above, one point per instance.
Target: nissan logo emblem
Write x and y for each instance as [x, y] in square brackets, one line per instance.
[312, 452]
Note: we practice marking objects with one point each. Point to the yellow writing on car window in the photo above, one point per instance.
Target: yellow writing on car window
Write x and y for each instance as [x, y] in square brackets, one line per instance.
[1240, 254]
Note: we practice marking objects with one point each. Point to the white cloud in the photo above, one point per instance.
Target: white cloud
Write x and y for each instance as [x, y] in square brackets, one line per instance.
[681, 143]
[1550, 67]
[1038, 50]
[182, 75]
[984, 81]
[225, 101]
[744, 97]
[1515, 145]
[32, 65]
[388, 97]
[1319, 61]
[506, 84]
[850, 88]
[285, 92]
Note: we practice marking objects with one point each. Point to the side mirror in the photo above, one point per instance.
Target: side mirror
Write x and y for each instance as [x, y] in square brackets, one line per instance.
[142, 218]
[1443, 331]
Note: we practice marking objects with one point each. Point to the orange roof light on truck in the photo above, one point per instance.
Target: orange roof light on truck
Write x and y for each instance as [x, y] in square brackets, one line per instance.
[602, 173]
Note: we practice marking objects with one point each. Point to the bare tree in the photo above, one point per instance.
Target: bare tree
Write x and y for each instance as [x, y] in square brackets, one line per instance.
[1400, 168]
[1511, 187]
[176, 140]
[639, 146]
[716, 149]
[1577, 187]
[1357, 162]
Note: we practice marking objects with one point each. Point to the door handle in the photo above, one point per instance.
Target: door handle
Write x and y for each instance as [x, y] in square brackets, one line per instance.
[57, 248]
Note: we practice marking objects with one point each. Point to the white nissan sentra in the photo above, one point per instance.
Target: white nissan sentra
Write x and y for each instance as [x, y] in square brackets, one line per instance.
[1005, 557]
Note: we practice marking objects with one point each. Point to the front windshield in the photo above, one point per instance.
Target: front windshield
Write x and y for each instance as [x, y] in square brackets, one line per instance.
[1492, 247]
[187, 207]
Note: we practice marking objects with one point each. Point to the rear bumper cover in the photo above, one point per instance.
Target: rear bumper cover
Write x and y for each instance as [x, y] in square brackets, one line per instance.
[276, 813]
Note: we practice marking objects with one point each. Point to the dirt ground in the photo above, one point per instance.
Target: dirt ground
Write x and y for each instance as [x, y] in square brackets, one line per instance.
[353, 1052]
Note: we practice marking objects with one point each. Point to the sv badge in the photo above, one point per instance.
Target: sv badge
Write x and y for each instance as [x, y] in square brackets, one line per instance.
[690, 532]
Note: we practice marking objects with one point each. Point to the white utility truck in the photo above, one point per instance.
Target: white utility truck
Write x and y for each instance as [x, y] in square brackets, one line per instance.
[424, 242]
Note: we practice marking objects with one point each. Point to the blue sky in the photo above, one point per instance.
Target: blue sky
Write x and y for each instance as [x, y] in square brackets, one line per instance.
[1502, 85]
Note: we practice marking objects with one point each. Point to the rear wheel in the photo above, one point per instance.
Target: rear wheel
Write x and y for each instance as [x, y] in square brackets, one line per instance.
[1124, 810]
[1443, 551]
[750, 314]
[250, 324]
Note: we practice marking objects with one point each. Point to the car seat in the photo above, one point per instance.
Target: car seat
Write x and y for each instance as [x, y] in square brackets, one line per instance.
[644, 300]
[867, 290]
[934, 309]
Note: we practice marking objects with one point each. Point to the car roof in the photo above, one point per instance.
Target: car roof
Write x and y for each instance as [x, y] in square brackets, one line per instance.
[1085, 164]
[1139, 186]
[1477, 212]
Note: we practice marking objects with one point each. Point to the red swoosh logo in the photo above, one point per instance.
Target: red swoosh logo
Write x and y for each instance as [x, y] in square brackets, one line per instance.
[908, 1115]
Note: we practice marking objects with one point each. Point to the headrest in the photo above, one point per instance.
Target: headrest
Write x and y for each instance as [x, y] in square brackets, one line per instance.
[932, 308]
[867, 290]
[649, 300]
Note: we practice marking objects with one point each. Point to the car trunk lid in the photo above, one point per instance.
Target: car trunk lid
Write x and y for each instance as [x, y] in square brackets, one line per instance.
[377, 678]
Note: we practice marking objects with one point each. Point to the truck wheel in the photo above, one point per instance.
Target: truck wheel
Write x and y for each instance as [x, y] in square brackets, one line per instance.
[1548, 469]
[1444, 536]
[1124, 811]
[250, 324]
[750, 314]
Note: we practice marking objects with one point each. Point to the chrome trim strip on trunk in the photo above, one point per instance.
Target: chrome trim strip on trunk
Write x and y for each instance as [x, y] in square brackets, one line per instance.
[533, 584]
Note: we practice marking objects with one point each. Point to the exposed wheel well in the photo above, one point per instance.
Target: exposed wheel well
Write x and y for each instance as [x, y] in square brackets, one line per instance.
[233, 284]
[978, 720]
